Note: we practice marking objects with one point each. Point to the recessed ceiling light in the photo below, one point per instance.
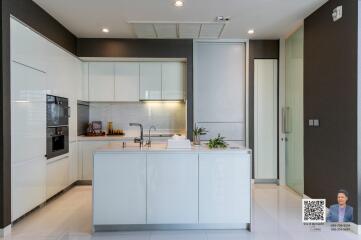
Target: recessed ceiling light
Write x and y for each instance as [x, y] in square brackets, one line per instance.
[251, 31]
[105, 30]
[178, 3]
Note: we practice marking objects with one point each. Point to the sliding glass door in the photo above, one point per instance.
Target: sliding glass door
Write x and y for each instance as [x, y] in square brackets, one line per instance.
[293, 112]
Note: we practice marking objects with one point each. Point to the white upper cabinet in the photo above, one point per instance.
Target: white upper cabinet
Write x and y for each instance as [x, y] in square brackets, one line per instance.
[85, 82]
[173, 76]
[126, 86]
[101, 81]
[150, 81]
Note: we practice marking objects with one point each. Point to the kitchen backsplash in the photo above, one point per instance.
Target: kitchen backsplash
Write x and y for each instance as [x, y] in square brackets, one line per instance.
[165, 116]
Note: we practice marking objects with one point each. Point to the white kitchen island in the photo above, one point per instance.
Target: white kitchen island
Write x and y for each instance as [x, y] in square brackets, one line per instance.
[157, 188]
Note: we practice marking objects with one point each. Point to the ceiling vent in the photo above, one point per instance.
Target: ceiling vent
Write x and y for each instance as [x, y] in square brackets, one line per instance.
[184, 30]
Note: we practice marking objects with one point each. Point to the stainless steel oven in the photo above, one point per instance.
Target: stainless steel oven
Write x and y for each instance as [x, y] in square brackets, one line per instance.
[57, 141]
[57, 132]
[58, 111]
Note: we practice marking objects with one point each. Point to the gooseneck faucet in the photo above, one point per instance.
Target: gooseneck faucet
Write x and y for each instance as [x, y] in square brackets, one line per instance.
[139, 140]
[149, 142]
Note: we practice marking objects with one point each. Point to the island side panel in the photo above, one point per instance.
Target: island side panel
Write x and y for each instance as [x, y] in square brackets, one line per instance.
[119, 188]
[224, 188]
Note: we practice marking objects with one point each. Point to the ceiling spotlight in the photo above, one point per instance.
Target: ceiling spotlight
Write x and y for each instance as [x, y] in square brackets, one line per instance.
[251, 31]
[178, 3]
[105, 30]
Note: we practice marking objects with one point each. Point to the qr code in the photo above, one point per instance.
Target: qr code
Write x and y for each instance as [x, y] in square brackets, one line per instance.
[313, 210]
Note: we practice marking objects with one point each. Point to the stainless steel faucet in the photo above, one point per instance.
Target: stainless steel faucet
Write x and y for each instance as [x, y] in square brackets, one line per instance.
[149, 142]
[139, 140]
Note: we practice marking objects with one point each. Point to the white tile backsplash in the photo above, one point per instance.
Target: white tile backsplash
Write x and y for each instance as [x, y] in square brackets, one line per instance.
[165, 116]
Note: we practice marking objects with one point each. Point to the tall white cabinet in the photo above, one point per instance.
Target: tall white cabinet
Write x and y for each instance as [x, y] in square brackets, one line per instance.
[39, 67]
[265, 118]
[28, 141]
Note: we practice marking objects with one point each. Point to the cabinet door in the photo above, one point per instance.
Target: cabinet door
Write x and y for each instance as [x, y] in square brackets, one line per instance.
[173, 81]
[172, 188]
[85, 82]
[88, 149]
[150, 81]
[73, 163]
[57, 176]
[126, 82]
[28, 138]
[101, 81]
[224, 188]
[125, 203]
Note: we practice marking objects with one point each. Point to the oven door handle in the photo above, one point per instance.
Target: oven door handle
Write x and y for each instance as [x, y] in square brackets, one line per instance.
[69, 112]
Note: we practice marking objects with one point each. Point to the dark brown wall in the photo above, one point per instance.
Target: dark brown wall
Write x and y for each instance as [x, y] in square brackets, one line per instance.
[258, 49]
[35, 17]
[330, 94]
[145, 48]
[5, 137]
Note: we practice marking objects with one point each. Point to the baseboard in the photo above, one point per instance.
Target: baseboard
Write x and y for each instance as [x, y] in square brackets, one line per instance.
[266, 181]
[6, 231]
[83, 182]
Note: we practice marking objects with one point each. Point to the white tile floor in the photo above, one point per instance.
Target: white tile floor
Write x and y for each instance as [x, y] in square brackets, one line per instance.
[276, 215]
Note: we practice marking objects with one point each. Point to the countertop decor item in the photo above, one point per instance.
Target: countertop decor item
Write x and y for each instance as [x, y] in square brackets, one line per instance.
[197, 133]
[217, 142]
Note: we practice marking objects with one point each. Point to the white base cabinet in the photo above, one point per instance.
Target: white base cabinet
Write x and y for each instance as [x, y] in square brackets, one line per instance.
[57, 176]
[28, 186]
[172, 188]
[224, 181]
[73, 163]
[124, 187]
[155, 189]
[86, 151]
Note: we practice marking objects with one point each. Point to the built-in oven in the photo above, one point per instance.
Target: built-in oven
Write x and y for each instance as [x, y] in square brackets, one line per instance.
[57, 141]
[58, 111]
[57, 132]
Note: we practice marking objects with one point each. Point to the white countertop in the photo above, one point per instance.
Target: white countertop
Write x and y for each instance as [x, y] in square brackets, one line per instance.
[115, 147]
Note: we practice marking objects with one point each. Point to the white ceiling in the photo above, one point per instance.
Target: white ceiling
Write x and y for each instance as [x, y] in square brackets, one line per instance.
[271, 19]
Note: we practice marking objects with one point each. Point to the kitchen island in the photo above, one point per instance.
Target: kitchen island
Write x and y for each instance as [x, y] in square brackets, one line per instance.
[157, 188]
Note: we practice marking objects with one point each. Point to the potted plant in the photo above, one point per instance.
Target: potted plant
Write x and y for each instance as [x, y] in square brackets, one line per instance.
[217, 142]
[197, 133]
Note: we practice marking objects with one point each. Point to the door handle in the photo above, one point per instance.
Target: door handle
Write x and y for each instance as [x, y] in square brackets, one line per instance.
[285, 120]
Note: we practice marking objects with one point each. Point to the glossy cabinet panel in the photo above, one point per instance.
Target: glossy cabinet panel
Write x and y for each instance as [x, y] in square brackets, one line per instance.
[87, 150]
[265, 118]
[28, 186]
[150, 81]
[224, 188]
[172, 188]
[173, 80]
[101, 81]
[126, 85]
[28, 142]
[57, 176]
[73, 163]
[124, 187]
[85, 82]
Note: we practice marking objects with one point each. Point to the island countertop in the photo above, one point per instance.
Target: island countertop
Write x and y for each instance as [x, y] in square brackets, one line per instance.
[115, 147]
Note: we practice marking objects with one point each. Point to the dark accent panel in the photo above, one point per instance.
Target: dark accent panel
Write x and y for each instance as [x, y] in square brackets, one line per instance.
[259, 49]
[5, 136]
[83, 117]
[145, 48]
[35, 17]
[330, 94]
